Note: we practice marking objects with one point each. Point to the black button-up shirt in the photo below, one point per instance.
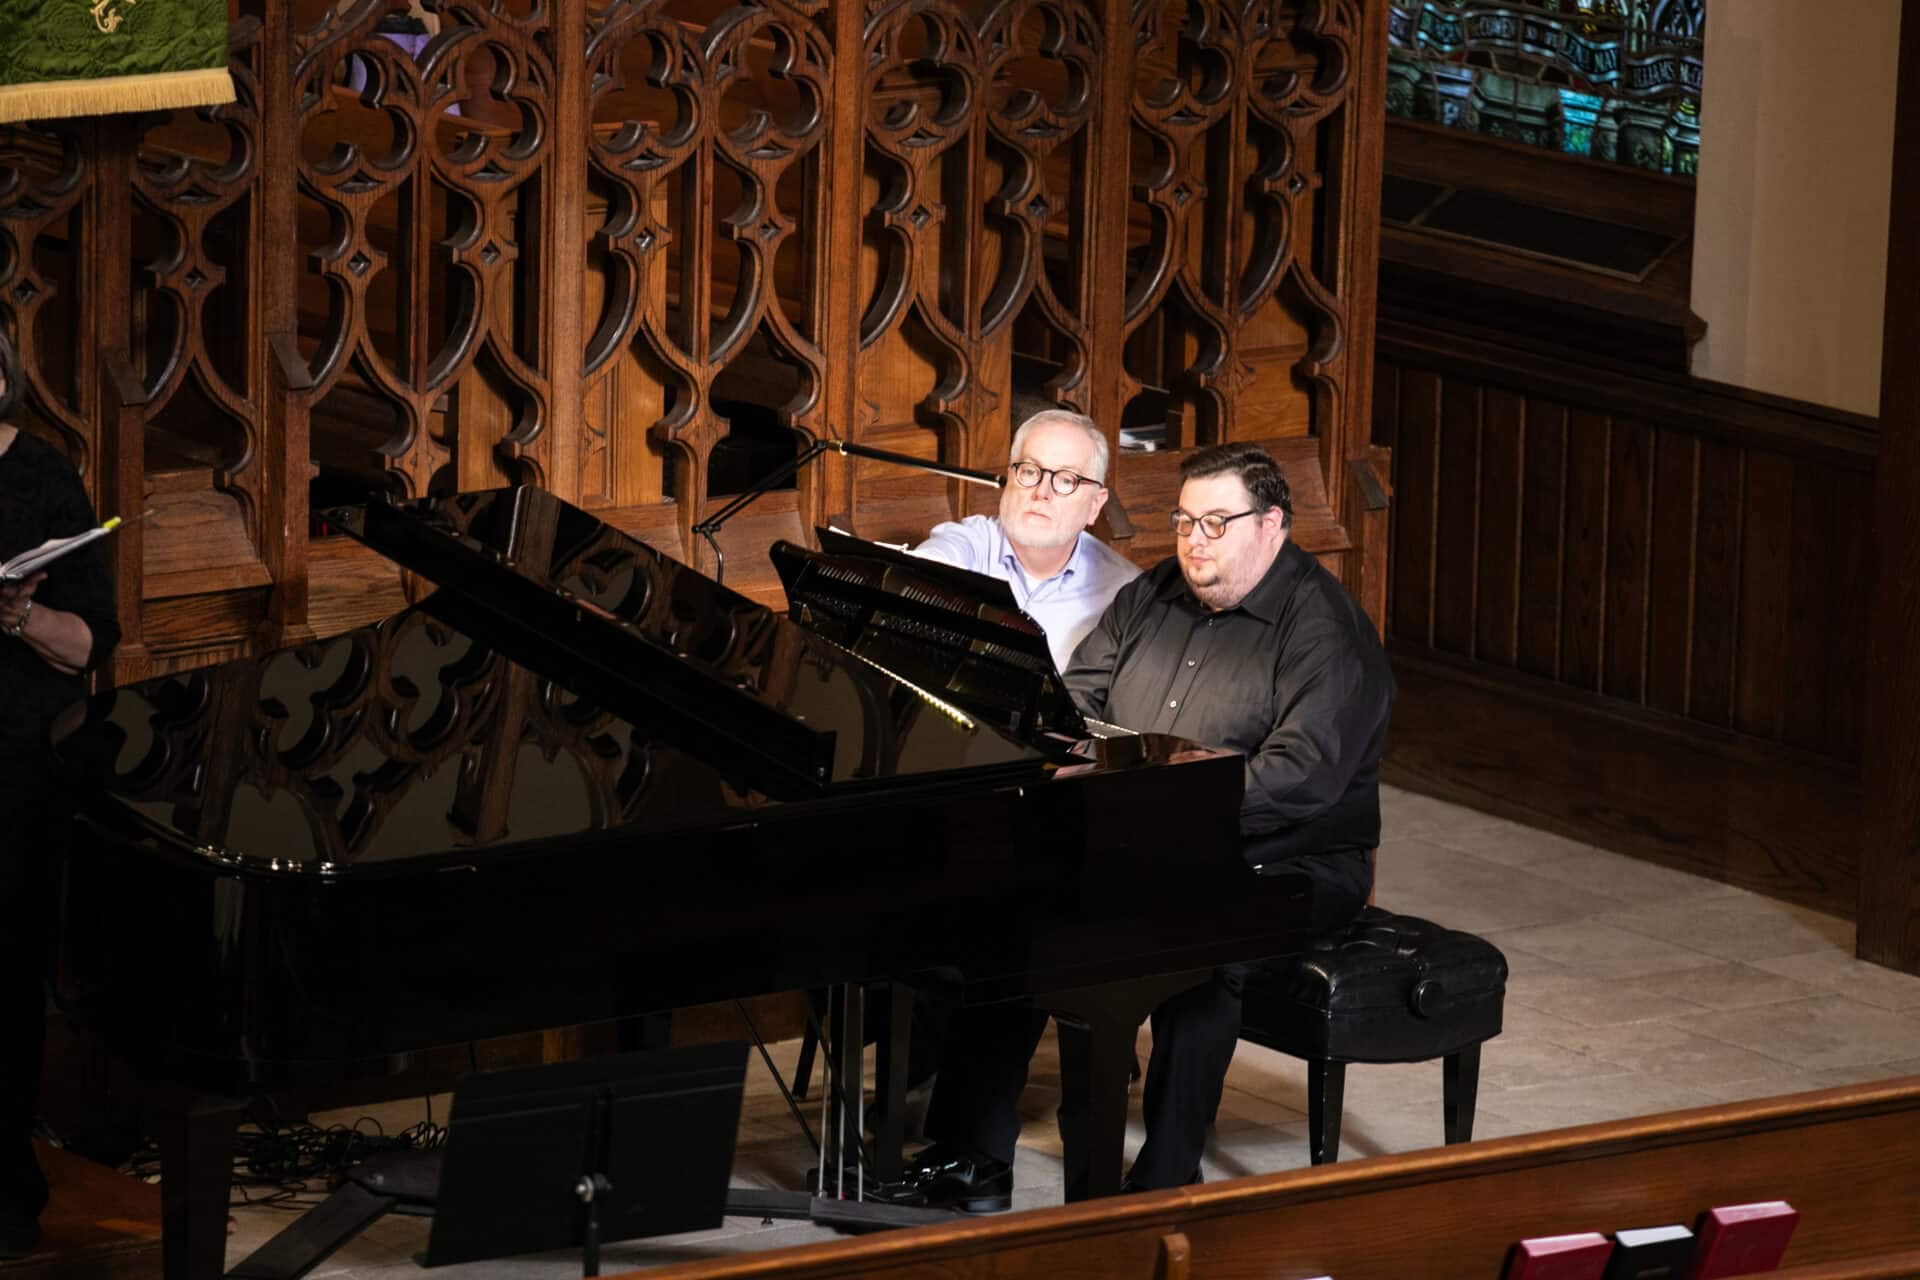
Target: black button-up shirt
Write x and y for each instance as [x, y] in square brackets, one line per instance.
[1293, 676]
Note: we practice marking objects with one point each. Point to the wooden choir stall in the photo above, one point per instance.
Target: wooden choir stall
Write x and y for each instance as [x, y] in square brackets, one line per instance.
[424, 362]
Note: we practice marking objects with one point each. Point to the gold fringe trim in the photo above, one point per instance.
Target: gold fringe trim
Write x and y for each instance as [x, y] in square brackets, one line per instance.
[108, 94]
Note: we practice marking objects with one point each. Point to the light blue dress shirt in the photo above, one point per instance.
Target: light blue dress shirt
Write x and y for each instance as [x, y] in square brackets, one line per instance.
[1066, 605]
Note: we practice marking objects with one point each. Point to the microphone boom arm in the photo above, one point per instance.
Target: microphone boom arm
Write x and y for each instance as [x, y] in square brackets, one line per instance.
[711, 525]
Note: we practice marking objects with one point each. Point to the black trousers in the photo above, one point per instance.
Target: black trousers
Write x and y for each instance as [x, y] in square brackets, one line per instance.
[986, 1050]
[29, 810]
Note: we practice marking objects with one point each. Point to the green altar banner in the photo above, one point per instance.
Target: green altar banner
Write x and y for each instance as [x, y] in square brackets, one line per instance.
[91, 57]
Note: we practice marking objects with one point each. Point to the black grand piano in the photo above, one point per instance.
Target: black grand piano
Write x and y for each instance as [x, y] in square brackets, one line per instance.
[580, 781]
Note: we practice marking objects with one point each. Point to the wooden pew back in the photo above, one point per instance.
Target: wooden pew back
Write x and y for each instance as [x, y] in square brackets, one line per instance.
[1848, 1159]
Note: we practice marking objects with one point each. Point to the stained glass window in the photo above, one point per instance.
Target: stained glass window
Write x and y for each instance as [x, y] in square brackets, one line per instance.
[1617, 80]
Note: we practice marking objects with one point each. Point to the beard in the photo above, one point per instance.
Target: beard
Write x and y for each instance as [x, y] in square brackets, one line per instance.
[1210, 584]
[1217, 597]
[1041, 535]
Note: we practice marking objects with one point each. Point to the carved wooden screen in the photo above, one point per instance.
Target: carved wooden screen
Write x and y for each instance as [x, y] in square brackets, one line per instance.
[639, 251]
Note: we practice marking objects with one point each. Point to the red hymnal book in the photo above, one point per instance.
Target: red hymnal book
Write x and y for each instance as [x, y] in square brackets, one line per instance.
[1582, 1256]
[1739, 1239]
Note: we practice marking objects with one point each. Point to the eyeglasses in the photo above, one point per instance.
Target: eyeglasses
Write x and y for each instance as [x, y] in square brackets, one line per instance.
[1029, 474]
[1213, 525]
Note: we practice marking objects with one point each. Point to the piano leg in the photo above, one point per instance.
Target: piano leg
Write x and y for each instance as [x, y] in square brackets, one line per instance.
[196, 1178]
[1097, 1058]
[840, 1124]
[895, 1000]
[1097, 1026]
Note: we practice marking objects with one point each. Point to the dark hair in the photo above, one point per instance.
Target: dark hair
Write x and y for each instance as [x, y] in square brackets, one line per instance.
[1255, 467]
[10, 372]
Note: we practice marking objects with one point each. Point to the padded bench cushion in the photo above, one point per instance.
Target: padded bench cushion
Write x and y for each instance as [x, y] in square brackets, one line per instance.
[1388, 988]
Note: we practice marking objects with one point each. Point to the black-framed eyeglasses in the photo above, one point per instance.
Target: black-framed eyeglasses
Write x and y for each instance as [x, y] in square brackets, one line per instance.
[1029, 474]
[1212, 524]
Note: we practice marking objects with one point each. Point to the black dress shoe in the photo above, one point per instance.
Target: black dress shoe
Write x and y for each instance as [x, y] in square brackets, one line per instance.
[953, 1178]
[1128, 1186]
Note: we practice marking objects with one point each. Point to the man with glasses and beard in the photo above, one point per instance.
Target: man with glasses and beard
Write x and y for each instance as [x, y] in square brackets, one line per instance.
[1061, 575]
[1240, 640]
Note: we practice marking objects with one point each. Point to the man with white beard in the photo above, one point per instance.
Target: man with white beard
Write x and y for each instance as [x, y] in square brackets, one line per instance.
[1061, 575]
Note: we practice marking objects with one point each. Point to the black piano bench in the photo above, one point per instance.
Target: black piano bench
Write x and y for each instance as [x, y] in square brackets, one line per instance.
[1387, 988]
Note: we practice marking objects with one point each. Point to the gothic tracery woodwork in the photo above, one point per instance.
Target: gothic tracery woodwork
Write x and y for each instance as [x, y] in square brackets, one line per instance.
[640, 251]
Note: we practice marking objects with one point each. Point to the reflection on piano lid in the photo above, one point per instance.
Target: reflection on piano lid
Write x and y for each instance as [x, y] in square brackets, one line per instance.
[554, 588]
[615, 688]
[955, 633]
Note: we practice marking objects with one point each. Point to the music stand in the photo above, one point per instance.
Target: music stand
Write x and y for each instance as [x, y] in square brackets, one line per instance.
[981, 586]
[579, 1153]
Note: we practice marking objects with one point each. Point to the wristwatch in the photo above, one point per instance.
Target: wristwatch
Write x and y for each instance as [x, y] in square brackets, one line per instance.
[19, 626]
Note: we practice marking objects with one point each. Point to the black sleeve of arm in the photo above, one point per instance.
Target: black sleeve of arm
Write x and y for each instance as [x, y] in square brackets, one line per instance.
[81, 583]
[1333, 709]
[1089, 673]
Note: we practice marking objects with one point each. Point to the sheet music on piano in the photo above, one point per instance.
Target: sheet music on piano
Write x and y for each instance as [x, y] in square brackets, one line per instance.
[959, 634]
[990, 589]
[934, 584]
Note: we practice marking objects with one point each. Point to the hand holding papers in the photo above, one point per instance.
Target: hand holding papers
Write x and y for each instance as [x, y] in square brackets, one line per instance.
[28, 563]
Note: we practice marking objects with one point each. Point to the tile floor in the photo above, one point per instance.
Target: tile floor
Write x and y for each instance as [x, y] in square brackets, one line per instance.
[1634, 990]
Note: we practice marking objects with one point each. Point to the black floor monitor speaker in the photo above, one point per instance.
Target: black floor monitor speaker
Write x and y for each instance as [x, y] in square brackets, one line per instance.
[578, 1154]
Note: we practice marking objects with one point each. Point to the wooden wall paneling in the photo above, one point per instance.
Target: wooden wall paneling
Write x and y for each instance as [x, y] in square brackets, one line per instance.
[1370, 498]
[1716, 578]
[1716, 411]
[1357, 155]
[1386, 404]
[1813, 523]
[1502, 494]
[1628, 523]
[1711, 803]
[1543, 534]
[1583, 584]
[1671, 556]
[1890, 858]
[1457, 520]
[1688, 569]
[1654, 566]
[1848, 560]
[1416, 478]
[1766, 583]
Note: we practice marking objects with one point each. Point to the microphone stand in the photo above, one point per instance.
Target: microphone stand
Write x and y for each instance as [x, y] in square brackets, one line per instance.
[711, 525]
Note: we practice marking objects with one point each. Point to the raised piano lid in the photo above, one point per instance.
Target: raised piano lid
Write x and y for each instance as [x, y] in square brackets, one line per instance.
[409, 739]
[559, 590]
[613, 687]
